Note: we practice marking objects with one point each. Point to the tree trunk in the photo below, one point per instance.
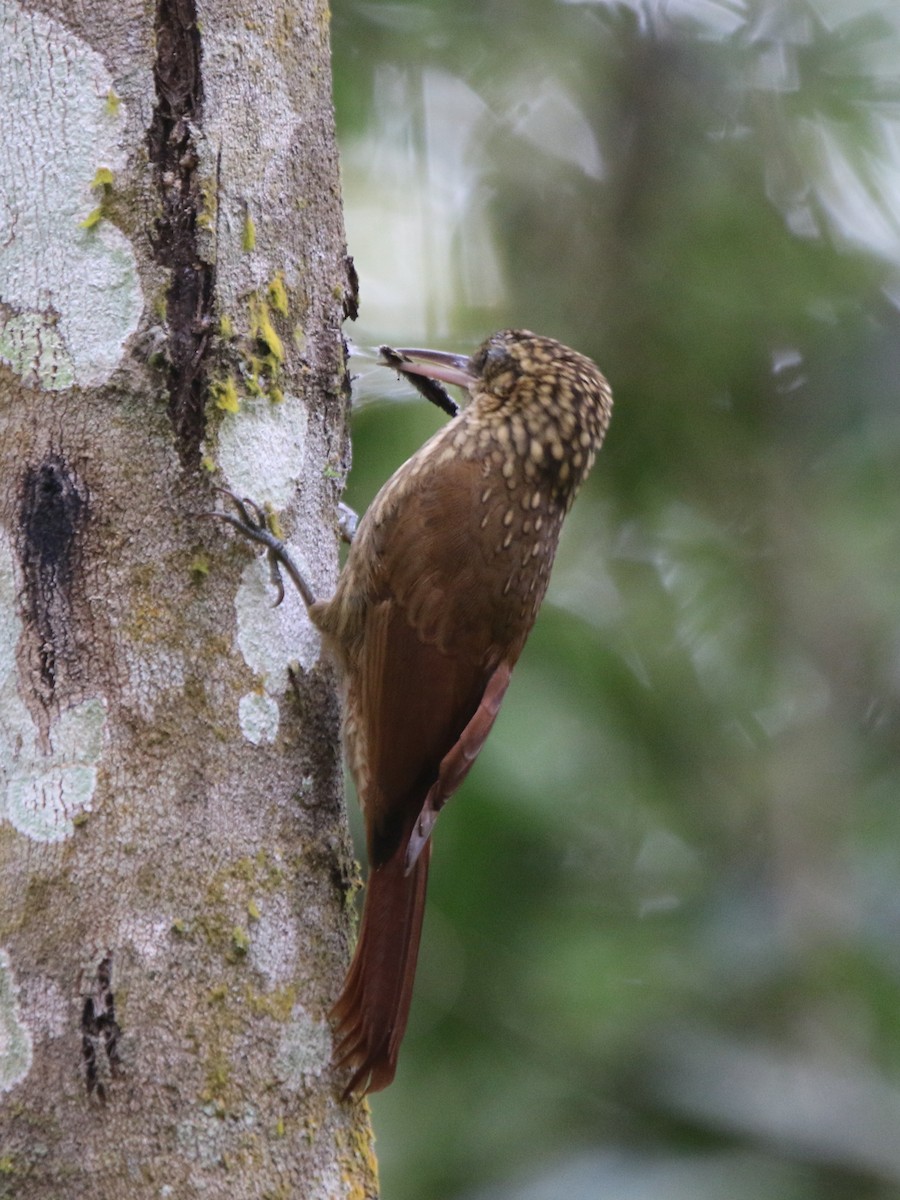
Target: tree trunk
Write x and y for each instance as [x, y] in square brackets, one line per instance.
[174, 862]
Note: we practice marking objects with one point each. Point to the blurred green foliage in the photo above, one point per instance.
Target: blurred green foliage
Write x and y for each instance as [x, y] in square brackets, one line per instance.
[662, 951]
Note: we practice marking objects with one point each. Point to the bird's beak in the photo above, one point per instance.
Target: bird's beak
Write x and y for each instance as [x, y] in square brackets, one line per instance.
[436, 364]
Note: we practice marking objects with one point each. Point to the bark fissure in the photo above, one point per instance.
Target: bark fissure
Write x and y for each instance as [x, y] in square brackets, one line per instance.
[52, 509]
[189, 302]
[100, 1034]
[351, 295]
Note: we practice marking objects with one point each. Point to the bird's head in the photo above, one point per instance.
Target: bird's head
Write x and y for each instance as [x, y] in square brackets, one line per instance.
[519, 374]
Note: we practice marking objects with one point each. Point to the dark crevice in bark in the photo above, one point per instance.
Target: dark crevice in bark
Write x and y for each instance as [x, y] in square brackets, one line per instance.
[53, 507]
[100, 1034]
[179, 106]
[351, 295]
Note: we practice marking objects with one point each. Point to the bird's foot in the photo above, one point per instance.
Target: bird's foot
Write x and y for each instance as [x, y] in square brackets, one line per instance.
[256, 524]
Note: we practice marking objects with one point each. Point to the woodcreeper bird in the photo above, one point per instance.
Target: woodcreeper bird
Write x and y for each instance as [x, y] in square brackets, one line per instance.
[439, 592]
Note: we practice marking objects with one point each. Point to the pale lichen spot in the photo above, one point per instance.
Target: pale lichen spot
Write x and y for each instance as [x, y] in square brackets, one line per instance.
[69, 282]
[15, 1038]
[536, 500]
[258, 717]
[508, 468]
[536, 450]
[46, 790]
[508, 517]
[507, 541]
[261, 449]
[304, 1050]
[268, 638]
[46, 782]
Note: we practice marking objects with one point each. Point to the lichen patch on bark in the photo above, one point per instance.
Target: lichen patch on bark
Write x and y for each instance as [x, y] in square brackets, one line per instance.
[269, 640]
[70, 296]
[46, 782]
[15, 1040]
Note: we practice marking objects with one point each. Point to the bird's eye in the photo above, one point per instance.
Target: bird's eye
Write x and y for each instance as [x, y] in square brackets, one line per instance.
[495, 359]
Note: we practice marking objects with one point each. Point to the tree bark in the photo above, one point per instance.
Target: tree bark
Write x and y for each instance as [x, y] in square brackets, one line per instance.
[174, 861]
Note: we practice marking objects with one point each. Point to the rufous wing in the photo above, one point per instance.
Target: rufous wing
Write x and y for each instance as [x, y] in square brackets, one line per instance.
[438, 628]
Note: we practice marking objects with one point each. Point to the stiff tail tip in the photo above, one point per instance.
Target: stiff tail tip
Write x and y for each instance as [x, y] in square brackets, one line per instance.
[370, 1015]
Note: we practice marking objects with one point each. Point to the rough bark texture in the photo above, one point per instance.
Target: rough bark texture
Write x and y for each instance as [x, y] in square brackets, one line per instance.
[174, 864]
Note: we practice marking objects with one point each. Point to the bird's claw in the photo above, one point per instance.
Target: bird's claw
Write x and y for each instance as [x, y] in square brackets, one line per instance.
[255, 523]
[252, 524]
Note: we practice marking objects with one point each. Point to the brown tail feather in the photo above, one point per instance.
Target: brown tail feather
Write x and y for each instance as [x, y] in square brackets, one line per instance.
[371, 1012]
